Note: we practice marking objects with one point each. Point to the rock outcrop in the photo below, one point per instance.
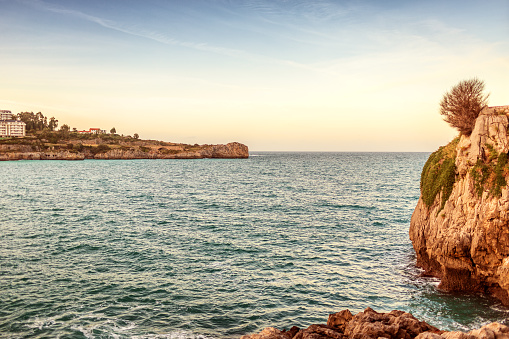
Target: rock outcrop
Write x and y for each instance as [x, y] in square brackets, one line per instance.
[139, 150]
[461, 235]
[34, 155]
[371, 324]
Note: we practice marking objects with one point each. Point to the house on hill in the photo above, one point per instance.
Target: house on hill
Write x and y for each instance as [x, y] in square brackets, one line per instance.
[10, 127]
[93, 131]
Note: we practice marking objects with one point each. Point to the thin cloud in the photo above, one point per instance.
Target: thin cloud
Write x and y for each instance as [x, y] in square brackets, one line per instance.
[157, 36]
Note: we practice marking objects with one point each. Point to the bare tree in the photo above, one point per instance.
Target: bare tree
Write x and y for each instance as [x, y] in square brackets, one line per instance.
[463, 103]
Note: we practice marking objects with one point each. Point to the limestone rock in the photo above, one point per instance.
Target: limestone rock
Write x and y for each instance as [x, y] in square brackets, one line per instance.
[61, 155]
[466, 244]
[490, 331]
[318, 332]
[138, 150]
[231, 150]
[373, 325]
[268, 333]
[340, 320]
[228, 151]
[396, 324]
[364, 325]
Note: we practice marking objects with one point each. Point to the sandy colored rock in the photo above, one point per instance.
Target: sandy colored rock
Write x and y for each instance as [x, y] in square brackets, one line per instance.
[466, 244]
[370, 324]
[364, 325]
[319, 331]
[267, 333]
[490, 331]
[395, 324]
[339, 320]
[135, 150]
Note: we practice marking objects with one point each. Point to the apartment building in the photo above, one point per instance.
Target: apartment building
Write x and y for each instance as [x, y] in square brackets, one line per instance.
[10, 127]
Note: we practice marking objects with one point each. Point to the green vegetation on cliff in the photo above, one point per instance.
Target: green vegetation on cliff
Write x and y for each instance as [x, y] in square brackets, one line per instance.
[489, 174]
[37, 121]
[439, 174]
[44, 142]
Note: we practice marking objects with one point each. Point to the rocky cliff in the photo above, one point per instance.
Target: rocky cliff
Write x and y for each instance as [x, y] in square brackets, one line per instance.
[460, 227]
[135, 150]
[370, 324]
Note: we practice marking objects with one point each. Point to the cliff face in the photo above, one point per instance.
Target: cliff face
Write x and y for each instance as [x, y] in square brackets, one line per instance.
[142, 150]
[461, 235]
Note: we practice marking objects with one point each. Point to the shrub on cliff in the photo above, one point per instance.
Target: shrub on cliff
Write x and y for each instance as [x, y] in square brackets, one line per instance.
[439, 174]
[489, 175]
[101, 148]
[463, 103]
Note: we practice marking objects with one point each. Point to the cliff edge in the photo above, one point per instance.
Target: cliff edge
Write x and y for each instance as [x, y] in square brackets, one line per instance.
[34, 149]
[460, 226]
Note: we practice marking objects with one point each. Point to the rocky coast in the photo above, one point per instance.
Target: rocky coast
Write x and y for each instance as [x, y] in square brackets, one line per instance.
[459, 231]
[371, 324]
[460, 227]
[27, 149]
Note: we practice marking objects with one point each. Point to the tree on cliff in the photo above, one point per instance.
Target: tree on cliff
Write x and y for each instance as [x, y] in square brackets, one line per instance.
[53, 123]
[64, 131]
[463, 103]
[34, 122]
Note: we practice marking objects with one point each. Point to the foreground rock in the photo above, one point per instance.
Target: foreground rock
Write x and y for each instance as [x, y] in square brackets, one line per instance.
[462, 235]
[371, 324]
[95, 149]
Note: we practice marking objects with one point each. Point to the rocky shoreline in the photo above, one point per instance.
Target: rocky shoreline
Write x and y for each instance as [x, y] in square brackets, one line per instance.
[134, 150]
[460, 232]
[371, 324]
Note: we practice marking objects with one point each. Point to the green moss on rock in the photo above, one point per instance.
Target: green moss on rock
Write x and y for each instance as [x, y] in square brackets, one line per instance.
[490, 174]
[439, 174]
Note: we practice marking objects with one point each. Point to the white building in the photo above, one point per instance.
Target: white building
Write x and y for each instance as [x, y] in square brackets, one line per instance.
[10, 127]
[93, 131]
[5, 115]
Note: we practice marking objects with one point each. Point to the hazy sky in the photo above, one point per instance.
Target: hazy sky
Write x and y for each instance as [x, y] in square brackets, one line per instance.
[318, 75]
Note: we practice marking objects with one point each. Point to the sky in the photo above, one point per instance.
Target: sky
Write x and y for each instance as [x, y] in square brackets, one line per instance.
[276, 75]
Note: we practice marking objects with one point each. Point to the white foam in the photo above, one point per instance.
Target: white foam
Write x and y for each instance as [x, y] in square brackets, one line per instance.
[174, 335]
[86, 332]
[43, 323]
[499, 308]
[109, 326]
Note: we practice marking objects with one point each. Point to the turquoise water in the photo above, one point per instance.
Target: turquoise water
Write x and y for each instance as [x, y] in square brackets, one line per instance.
[213, 248]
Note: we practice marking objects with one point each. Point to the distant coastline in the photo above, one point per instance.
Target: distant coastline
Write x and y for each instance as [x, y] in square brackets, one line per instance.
[81, 147]
[29, 136]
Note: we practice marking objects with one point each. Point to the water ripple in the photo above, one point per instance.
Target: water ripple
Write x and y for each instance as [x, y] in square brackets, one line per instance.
[213, 248]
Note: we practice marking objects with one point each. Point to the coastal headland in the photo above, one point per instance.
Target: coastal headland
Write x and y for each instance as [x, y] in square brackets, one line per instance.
[112, 147]
[460, 227]
[29, 136]
[459, 231]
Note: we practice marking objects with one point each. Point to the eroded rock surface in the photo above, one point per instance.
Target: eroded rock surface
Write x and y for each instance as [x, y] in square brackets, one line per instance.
[140, 150]
[371, 324]
[466, 244]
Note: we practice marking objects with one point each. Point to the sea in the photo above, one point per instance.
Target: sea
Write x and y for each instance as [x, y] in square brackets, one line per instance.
[214, 248]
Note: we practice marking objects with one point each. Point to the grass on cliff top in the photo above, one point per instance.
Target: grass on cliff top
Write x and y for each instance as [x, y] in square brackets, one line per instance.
[64, 137]
[439, 174]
